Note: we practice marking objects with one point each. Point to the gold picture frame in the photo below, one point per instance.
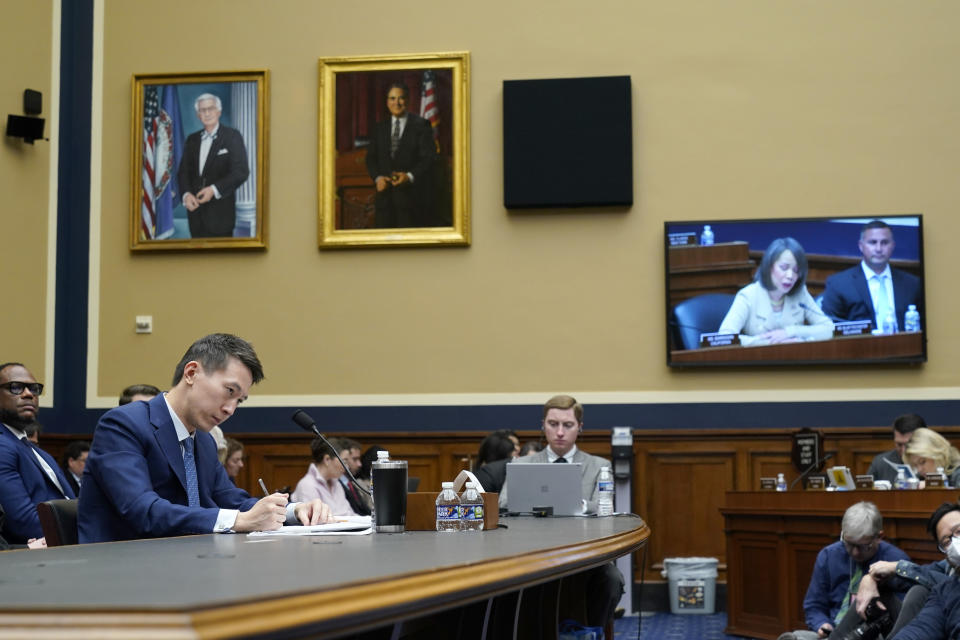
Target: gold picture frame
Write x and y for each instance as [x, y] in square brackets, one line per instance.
[378, 187]
[188, 190]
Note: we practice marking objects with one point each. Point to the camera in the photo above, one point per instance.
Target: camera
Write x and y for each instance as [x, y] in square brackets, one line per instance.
[879, 621]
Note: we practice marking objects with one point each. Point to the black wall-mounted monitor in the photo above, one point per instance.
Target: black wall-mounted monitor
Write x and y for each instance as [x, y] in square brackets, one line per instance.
[567, 142]
[795, 291]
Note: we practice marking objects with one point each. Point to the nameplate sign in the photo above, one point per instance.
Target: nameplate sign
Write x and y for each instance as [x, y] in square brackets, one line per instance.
[768, 484]
[719, 339]
[864, 481]
[682, 239]
[816, 483]
[852, 328]
[935, 481]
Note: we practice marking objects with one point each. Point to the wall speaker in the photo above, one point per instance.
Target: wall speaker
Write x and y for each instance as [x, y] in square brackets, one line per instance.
[32, 102]
[26, 127]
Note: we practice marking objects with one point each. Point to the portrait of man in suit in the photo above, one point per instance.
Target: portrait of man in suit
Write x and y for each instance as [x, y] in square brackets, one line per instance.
[213, 167]
[872, 290]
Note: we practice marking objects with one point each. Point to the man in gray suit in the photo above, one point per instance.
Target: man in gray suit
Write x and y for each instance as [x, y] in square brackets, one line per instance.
[562, 423]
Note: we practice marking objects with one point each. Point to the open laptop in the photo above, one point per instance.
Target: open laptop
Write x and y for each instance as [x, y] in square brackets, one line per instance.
[544, 484]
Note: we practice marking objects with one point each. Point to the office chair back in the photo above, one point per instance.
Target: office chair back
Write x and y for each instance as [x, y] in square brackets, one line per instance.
[58, 519]
[699, 314]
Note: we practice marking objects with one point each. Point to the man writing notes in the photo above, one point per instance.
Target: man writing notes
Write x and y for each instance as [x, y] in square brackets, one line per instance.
[400, 161]
[213, 167]
[872, 290]
[153, 469]
[28, 475]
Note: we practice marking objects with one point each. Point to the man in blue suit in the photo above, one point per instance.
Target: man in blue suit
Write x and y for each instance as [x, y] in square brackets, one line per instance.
[153, 469]
[28, 475]
[871, 290]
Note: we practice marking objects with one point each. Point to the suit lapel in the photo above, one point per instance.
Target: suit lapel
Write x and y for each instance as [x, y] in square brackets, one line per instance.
[863, 290]
[27, 451]
[166, 435]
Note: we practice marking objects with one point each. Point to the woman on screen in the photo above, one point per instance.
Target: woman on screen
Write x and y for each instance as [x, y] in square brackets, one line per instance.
[776, 307]
[928, 450]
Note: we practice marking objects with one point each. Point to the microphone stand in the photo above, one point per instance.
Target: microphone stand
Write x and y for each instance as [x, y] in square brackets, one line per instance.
[305, 422]
[816, 463]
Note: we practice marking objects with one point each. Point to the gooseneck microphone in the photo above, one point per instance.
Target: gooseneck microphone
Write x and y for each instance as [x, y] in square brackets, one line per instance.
[305, 422]
[816, 463]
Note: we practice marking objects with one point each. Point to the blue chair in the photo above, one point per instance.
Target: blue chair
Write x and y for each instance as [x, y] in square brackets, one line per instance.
[699, 314]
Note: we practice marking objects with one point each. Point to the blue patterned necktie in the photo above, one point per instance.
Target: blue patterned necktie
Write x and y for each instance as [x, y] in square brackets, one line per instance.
[190, 465]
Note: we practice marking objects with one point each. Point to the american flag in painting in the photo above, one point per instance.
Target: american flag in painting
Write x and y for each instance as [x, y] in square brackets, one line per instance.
[162, 150]
[428, 104]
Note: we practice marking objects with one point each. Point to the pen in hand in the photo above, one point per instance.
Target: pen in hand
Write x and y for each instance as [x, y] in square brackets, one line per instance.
[264, 487]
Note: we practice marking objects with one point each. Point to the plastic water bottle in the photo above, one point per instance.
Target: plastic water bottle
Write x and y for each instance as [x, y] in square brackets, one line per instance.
[911, 319]
[605, 492]
[901, 481]
[471, 510]
[706, 236]
[781, 482]
[890, 323]
[448, 509]
[382, 456]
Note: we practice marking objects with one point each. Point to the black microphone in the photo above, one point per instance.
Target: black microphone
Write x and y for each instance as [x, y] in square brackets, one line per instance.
[816, 463]
[814, 309]
[305, 422]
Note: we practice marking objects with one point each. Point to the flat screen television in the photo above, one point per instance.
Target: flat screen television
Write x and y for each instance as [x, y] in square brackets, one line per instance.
[737, 295]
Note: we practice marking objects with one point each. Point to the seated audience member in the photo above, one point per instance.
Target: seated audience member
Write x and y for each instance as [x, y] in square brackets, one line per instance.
[903, 428]
[363, 476]
[530, 448]
[233, 459]
[153, 469]
[221, 440]
[928, 450]
[322, 480]
[839, 568]
[496, 446]
[562, 424]
[939, 617]
[885, 578]
[72, 462]
[777, 307]
[138, 392]
[349, 450]
[28, 475]
[871, 289]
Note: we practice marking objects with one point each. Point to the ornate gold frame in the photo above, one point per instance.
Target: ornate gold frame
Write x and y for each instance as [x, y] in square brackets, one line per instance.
[329, 236]
[140, 229]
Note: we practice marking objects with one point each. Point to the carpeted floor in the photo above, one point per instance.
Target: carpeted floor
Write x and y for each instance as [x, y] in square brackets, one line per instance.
[666, 626]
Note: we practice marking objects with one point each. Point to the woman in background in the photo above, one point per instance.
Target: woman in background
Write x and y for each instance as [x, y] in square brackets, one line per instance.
[322, 480]
[777, 308]
[233, 459]
[497, 446]
[928, 450]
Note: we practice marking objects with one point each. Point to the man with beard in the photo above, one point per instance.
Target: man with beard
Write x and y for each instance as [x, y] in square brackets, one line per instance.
[28, 475]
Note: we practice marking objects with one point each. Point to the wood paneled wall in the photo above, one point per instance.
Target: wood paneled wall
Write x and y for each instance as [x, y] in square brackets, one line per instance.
[680, 475]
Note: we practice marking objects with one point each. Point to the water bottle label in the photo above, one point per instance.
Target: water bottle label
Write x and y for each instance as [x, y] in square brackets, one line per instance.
[471, 512]
[605, 485]
[448, 512]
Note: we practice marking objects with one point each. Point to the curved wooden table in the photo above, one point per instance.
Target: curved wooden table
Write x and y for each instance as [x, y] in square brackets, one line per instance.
[217, 586]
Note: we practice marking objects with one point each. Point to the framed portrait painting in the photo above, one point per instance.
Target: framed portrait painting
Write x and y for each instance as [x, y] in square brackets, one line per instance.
[393, 151]
[199, 143]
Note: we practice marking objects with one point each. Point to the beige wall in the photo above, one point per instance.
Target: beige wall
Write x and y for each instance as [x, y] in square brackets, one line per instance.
[745, 108]
[26, 33]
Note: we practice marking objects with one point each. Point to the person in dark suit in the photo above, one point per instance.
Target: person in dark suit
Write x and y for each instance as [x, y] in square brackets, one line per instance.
[213, 167]
[401, 160]
[28, 475]
[872, 289]
[72, 461]
[153, 469]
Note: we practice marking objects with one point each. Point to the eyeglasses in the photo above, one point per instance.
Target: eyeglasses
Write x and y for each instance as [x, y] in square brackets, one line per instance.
[17, 388]
[865, 547]
[946, 540]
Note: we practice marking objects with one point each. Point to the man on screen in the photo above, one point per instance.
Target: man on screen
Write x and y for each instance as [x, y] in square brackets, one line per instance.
[213, 167]
[872, 290]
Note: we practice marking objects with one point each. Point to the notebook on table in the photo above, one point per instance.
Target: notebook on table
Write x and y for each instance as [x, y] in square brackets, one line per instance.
[544, 484]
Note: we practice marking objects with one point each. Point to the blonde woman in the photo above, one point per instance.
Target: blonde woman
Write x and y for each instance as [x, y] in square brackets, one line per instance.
[928, 450]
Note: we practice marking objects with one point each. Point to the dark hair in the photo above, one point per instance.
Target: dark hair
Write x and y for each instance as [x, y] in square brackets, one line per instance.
[367, 459]
[73, 451]
[875, 224]
[126, 396]
[495, 446]
[32, 429]
[776, 248]
[319, 449]
[403, 87]
[345, 444]
[212, 352]
[908, 423]
[934, 520]
[563, 403]
[232, 447]
[530, 447]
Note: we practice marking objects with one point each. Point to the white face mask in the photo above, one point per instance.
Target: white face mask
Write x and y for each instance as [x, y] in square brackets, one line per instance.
[953, 552]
